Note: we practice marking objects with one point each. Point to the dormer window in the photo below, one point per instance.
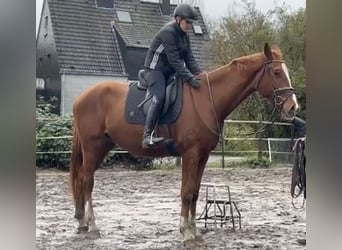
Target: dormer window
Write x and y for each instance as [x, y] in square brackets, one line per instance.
[108, 4]
[40, 83]
[124, 16]
[197, 29]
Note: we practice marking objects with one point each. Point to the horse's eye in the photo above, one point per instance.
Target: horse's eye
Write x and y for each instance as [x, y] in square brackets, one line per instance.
[277, 73]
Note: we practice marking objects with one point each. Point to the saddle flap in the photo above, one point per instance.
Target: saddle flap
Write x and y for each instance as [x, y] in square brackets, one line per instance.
[137, 103]
[170, 94]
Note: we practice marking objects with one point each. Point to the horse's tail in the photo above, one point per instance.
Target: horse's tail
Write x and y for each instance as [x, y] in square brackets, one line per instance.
[75, 164]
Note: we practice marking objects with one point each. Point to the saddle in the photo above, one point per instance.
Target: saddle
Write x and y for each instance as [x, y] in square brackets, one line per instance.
[139, 99]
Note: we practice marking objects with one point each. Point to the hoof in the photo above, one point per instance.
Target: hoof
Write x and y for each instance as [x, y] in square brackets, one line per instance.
[196, 232]
[81, 230]
[188, 235]
[93, 235]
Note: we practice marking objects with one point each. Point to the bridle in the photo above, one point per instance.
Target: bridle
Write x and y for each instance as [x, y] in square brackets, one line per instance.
[278, 101]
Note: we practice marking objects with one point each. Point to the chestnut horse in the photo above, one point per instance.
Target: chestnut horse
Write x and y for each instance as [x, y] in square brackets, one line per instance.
[99, 124]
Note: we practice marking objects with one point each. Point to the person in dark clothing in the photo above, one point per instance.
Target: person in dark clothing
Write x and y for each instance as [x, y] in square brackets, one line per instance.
[169, 54]
[300, 132]
[299, 126]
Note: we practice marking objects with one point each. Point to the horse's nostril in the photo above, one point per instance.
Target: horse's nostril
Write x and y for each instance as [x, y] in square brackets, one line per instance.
[293, 111]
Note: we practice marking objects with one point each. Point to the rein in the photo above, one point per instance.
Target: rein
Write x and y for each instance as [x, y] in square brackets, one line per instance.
[263, 128]
[298, 181]
[218, 132]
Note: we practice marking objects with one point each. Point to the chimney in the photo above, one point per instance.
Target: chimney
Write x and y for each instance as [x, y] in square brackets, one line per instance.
[165, 7]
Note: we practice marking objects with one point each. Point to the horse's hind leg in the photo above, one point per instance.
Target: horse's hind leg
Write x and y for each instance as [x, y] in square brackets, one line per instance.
[94, 150]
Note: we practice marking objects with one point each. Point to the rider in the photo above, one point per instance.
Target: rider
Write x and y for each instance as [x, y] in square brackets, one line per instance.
[169, 54]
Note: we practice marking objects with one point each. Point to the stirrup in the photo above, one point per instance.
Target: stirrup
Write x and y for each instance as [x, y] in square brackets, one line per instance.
[156, 139]
[153, 141]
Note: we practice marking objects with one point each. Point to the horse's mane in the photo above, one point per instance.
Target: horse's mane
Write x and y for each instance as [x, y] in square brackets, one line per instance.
[242, 62]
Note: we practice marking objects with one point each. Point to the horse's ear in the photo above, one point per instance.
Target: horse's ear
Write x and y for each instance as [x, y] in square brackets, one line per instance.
[267, 51]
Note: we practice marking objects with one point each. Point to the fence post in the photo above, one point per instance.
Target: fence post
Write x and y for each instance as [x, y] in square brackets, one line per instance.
[260, 137]
[222, 145]
[178, 161]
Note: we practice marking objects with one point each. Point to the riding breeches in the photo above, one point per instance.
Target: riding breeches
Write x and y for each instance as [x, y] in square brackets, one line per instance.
[156, 84]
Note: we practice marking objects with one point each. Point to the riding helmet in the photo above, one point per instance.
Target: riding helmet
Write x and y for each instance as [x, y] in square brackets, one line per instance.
[185, 11]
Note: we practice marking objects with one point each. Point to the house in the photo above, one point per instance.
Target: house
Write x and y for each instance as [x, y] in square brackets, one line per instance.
[83, 42]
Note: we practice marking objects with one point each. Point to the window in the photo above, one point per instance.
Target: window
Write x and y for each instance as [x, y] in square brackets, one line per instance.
[105, 4]
[197, 29]
[40, 83]
[123, 16]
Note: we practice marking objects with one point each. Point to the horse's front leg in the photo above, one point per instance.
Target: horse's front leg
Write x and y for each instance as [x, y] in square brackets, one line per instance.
[189, 171]
[192, 217]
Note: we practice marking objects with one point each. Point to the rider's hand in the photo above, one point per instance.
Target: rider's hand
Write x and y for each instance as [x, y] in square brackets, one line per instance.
[194, 82]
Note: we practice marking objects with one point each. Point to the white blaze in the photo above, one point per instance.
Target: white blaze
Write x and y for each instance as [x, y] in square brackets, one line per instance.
[286, 71]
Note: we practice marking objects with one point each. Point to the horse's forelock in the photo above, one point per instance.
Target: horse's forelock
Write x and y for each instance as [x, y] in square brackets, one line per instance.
[276, 52]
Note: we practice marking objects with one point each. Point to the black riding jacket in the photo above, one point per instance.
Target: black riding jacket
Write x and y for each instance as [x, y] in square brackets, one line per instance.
[299, 126]
[170, 51]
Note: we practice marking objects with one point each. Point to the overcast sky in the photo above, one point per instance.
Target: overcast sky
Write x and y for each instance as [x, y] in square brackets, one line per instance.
[215, 9]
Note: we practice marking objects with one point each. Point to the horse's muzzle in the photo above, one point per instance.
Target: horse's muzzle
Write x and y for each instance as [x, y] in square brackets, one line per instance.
[288, 115]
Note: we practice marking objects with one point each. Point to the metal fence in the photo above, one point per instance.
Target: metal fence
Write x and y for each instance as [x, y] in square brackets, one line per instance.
[266, 146]
[278, 150]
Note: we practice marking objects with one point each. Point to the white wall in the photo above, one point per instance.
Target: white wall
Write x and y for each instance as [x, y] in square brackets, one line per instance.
[74, 85]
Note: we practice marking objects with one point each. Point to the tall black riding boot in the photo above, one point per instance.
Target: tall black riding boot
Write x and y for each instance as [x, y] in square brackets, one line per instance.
[150, 123]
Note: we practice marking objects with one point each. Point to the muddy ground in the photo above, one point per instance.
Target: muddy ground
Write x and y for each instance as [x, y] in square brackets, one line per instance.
[140, 210]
